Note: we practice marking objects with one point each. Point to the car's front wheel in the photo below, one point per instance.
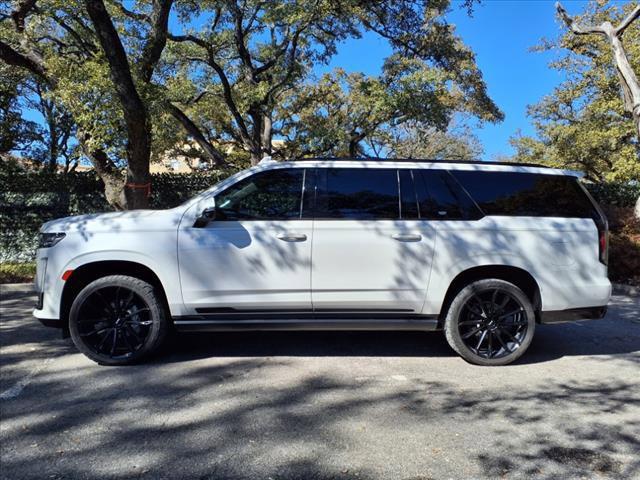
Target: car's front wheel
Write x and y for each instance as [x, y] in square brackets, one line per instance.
[490, 322]
[118, 320]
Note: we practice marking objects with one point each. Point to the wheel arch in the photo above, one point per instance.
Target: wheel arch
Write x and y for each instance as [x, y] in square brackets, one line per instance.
[509, 273]
[88, 272]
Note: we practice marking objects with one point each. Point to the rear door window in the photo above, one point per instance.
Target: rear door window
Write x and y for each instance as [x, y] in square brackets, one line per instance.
[357, 194]
[525, 194]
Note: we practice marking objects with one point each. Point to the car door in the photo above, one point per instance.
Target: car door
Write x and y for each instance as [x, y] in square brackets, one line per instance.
[255, 255]
[371, 253]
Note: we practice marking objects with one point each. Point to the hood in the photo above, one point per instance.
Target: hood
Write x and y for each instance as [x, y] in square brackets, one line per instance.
[139, 220]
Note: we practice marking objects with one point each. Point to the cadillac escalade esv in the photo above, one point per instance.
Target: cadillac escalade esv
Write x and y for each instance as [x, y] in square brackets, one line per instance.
[481, 250]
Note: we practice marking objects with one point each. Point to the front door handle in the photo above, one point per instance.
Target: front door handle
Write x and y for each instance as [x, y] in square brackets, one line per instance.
[291, 237]
[407, 237]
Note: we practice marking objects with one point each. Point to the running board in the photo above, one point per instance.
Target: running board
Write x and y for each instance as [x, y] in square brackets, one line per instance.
[203, 324]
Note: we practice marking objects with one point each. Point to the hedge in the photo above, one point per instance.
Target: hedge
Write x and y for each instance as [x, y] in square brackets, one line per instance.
[30, 198]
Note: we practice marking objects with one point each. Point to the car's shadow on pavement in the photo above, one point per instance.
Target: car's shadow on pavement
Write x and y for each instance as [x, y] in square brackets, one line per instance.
[551, 342]
[617, 334]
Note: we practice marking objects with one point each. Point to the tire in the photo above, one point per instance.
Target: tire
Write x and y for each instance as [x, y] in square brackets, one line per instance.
[490, 322]
[118, 320]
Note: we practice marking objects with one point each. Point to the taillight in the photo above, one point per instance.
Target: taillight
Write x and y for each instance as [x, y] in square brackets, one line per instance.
[604, 245]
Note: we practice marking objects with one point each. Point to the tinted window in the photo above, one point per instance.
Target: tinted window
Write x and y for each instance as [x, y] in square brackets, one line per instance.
[357, 194]
[441, 198]
[408, 203]
[525, 194]
[270, 195]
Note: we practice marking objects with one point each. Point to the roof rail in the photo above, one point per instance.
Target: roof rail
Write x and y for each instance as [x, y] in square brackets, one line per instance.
[418, 160]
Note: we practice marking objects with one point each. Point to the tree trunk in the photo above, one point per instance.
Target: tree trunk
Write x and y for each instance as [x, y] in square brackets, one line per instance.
[255, 157]
[110, 175]
[53, 143]
[630, 84]
[266, 137]
[137, 187]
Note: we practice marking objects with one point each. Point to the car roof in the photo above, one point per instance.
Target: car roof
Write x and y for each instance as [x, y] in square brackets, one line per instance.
[467, 165]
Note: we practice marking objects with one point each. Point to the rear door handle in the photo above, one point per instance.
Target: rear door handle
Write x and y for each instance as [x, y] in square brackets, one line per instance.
[291, 237]
[407, 237]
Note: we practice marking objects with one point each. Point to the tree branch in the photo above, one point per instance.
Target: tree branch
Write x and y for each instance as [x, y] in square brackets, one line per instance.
[88, 47]
[189, 38]
[574, 26]
[117, 58]
[20, 13]
[129, 13]
[192, 129]
[245, 56]
[227, 90]
[30, 62]
[635, 13]
[157, 38]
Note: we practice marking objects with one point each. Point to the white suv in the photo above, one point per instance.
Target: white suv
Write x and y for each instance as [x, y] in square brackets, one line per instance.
[481, 250]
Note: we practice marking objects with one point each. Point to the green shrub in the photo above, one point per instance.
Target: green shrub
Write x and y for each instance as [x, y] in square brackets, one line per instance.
[17, 272]
[615, 193]
[624, 258]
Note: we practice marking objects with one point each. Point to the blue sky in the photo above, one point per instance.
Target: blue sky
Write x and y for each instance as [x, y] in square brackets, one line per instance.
[500, 32]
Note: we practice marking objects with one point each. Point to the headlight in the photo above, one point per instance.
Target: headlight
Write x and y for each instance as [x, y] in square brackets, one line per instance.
[47, 240]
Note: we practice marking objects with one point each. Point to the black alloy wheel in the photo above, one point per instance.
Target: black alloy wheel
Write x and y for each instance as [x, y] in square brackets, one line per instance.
[117, 320]
[493, 323]
[490, 322]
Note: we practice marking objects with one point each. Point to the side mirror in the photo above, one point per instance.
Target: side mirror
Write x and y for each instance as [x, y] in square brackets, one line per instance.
[207, 215]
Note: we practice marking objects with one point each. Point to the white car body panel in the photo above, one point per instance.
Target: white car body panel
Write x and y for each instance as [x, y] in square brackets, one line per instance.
[560, 254]
[244, 265]
[146, 237]
[358, 265]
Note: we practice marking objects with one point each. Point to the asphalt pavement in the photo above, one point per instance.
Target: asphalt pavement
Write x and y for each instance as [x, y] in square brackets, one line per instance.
[323, 405]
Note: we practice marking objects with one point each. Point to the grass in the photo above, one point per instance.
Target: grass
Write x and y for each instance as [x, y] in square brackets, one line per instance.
[17, 272]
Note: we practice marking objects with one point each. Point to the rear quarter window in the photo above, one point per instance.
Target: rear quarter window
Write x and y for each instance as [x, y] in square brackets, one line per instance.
[526, 194]
[441, 198]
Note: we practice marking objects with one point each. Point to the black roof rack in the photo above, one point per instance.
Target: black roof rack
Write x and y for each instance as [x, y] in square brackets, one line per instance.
[420, 160]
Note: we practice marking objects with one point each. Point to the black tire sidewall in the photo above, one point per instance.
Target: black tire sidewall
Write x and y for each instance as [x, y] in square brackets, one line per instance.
[147, 292]
[452, 332]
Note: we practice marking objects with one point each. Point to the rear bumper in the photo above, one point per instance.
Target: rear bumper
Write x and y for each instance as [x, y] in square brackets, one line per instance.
[572, 314]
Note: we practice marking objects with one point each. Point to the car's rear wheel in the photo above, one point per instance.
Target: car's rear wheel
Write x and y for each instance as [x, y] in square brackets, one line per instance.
[118, 320]
[490, 322]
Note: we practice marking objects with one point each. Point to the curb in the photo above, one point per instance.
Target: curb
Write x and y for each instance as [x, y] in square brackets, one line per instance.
[621, 289]
[17, 287]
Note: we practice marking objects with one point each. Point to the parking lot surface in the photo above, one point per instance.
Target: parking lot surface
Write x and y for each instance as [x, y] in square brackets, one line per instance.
[322, 405]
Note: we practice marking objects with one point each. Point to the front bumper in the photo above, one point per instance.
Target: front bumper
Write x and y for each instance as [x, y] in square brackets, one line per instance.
[51, 322]
[573, 314]
[48, 286]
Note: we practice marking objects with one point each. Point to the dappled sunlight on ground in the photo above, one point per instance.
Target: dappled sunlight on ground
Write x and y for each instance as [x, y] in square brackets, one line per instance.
[325, 405]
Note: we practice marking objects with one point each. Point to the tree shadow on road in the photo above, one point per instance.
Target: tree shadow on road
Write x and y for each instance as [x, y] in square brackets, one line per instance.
[241, 406]
[252, 418]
